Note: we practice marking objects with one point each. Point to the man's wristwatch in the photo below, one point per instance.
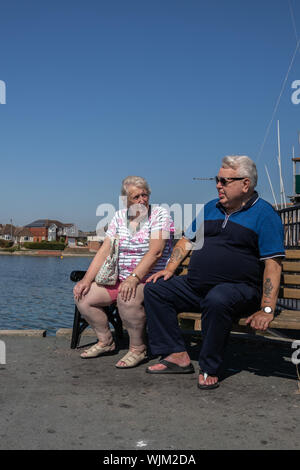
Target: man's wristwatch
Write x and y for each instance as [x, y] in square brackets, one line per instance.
[267, 310]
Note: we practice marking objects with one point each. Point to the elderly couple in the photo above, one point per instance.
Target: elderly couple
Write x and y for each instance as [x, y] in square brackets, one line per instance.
[236, 272]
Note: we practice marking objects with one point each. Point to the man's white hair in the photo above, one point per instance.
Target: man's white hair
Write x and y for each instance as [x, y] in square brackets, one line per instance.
[137, 181]
[245, 166]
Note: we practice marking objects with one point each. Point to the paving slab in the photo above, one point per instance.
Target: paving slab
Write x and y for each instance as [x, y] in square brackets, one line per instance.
[51, 399]
[32, 332]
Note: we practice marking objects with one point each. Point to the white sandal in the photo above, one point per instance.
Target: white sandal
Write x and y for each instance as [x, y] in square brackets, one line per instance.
[132, 359]
[97, 350]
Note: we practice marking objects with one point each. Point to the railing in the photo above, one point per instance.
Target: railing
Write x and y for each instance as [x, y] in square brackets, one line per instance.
[290, 218]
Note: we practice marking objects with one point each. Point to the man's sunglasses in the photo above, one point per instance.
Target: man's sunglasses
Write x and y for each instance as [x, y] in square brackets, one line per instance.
[225, 181]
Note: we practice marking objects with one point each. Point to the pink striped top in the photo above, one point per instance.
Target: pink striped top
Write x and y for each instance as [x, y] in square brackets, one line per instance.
[134, 245]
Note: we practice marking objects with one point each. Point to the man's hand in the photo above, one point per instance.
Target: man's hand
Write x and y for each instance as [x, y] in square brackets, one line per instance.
[164, 273]
[272, 272]
[260, 320]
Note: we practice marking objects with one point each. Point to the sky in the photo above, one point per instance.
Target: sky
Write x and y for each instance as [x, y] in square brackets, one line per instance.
[97, 90]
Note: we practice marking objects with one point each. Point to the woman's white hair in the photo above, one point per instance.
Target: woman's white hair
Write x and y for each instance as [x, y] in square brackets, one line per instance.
[137, 181]
[245, 166]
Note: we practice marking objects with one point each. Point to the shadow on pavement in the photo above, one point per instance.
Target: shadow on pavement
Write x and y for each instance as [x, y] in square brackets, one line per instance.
[261, 356]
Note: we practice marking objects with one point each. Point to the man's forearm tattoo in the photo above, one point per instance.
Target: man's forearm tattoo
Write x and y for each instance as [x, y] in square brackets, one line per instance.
[177, 255]
[268, 287]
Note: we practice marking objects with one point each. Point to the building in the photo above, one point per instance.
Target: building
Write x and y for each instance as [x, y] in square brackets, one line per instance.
[14, 234]
[95, 240]
[53, 230]
[22, 235]
[7, 232]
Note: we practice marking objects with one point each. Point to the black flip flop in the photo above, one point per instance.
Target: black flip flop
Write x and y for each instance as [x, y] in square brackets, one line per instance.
[172, 368]
[207, 387]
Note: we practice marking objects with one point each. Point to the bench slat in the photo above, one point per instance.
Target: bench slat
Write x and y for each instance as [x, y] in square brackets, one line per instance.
[291, 279]
[290, 266]
[189, 316]
[290, 313]
[288, 319]
[289, 293]
[292, 254]
[281, 322]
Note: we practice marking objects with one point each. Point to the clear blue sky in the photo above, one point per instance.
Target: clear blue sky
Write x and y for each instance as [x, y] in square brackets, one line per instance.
[100, 89]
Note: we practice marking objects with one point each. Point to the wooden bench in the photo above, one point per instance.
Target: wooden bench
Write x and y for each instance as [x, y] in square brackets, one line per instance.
[287, 314]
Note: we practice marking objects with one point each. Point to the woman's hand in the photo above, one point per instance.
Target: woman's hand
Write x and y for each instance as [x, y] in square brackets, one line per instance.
[81, 288]
[164, 273]
[128, 287]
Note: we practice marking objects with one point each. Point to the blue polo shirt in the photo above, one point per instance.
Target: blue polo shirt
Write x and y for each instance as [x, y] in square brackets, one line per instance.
[235, 245]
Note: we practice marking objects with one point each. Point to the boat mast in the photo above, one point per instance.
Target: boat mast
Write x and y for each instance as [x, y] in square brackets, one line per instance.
[282, 192]
[294, 171]
[276, 205]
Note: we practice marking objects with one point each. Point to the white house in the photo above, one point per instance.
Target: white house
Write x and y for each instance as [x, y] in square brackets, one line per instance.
[57, 230]
[9, 232]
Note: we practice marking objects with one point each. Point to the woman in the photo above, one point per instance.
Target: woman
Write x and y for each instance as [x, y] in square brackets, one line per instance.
[145, 239]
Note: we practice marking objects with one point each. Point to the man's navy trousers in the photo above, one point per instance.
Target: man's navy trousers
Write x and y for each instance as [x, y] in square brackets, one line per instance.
[219, 306]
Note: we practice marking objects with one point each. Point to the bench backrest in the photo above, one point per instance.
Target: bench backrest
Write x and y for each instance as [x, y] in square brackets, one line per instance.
[289, 295]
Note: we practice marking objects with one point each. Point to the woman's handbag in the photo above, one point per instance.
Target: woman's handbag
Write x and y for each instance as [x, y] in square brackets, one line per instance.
[108, 273]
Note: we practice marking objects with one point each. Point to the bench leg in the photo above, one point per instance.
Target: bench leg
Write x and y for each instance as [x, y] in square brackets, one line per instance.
[114, 318]
[79, 325]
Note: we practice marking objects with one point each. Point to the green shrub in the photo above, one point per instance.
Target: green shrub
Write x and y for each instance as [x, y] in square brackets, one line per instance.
[6, 243]
[11, 250]
[44, 245]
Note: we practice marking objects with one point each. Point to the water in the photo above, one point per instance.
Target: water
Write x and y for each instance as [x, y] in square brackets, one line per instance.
[37, 293]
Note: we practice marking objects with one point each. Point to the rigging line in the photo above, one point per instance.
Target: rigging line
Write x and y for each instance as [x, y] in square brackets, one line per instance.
[278, 101]
[293, 19]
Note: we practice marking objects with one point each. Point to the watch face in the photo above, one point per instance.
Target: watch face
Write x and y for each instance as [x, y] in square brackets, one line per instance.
[267, 310]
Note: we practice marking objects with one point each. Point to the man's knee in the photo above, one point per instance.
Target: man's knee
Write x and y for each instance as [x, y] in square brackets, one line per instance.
[218, 300]
[150, 290]
[149, 286]
[158, 288]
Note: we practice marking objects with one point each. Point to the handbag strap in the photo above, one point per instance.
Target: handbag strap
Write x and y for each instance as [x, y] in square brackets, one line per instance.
[114, 245]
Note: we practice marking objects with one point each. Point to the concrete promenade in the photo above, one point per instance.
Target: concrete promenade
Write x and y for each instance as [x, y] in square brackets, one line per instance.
[54, 253]
[50, 398]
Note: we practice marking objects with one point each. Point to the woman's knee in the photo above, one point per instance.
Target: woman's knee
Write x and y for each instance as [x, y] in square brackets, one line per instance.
[83, 306]
[88, 308]
[131, 309]
[80, 304]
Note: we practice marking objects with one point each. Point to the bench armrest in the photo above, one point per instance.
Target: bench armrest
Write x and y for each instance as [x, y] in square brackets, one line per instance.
[76, 276]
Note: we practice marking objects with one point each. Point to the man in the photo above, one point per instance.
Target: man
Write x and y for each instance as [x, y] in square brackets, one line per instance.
[235, 273]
